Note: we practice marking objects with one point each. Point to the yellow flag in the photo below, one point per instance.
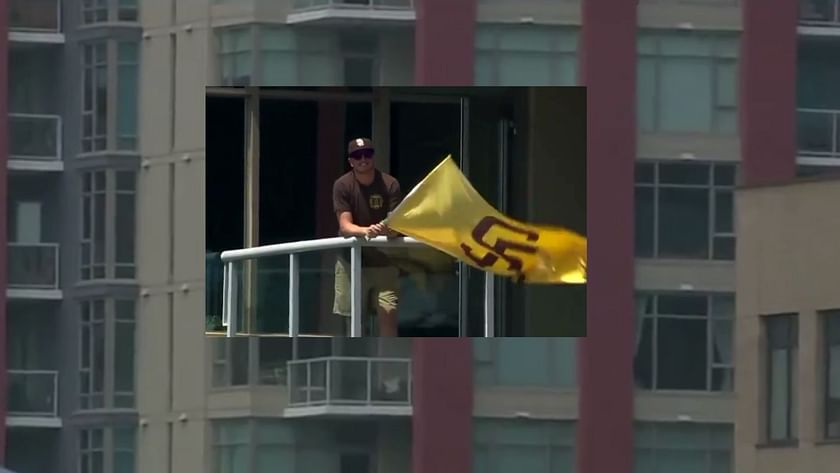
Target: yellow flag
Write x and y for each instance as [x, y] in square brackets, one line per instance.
[447, 213]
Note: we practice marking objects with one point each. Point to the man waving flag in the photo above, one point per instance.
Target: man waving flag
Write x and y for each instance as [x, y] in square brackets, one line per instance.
[447, 213]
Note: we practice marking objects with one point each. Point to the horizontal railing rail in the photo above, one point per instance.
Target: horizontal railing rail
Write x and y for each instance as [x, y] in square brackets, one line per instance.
[818, 133]
[39, 16]
[355, 4]
[324, 383]
[35, 136]
[33, 393]
[33, 265]
[819, 12]
[293, 249]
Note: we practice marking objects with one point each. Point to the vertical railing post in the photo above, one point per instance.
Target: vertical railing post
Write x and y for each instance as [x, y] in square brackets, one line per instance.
[55, 393]
[369, 380]
[356, 290]
[327, 383]
[294, 283]
[231, 294]
[410, 382]
[290, 366]
[489, 300]
[308, 382]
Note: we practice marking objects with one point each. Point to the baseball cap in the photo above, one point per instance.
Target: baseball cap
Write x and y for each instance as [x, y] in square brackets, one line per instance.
[359, 144]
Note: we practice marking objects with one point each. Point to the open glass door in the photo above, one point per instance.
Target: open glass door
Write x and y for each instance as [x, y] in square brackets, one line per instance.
[488, 140]
[424, 129]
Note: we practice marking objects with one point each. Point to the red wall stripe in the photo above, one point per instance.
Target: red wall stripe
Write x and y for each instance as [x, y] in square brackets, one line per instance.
[767, 91]
[444, 42]
[442, 439]
[607, 59]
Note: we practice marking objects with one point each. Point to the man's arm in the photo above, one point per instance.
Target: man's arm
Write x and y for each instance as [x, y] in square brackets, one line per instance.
[341, 206]
[394, 199]
[346, 226]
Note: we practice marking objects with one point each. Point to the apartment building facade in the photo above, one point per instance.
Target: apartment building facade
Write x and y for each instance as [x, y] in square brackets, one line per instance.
[645, 383]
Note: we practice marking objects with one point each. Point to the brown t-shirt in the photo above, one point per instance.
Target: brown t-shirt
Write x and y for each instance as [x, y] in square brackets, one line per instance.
[368, 205]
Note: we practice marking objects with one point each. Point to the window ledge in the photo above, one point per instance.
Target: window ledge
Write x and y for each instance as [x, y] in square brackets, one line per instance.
[828, 441]
[681, 393]
[793, 443]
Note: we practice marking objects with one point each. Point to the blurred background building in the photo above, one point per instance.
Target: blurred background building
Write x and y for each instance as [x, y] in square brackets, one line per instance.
[105, 365]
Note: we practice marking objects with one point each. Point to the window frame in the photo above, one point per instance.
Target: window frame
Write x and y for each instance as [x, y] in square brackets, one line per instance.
[109, 325]
[709, 319]
[487, 371]
[112, 63]
[712, 189]
[562, 47]
[655, 447]
[829, 317]
[792, 357]
[87, 269]
[717, 59]
[487, 433]
[108, 449]
[112, 9]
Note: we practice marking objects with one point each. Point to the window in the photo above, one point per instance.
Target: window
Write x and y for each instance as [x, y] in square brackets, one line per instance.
[95, 97]
[671, 63]
[235, 45]
[683, 447]
[504, 445]
[262, 446]
[231, 361]
[231, 446]
[359, 56]
[91, 451]
[525, 55]
[684, 341]
[832, 374]
[108, 224]
[106, 354]
[107, 450]
[100, 11]
[685, 210]
[109, 107]
[781, 334]
[525, 361]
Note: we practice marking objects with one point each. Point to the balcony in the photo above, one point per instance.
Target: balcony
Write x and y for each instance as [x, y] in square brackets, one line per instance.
[33, 398]
[818, 138]
[349, 386]
[33, 271]
[350, 12]
[819, 13]
[36, 21]
[35, 142]
[257, 288]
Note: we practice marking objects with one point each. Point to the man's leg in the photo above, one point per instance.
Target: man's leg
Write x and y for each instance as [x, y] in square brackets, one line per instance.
[341, 305]
[387, 301]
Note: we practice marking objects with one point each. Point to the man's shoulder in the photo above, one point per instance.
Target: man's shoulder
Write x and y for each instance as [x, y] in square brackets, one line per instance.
[344, 180]
[388, 179]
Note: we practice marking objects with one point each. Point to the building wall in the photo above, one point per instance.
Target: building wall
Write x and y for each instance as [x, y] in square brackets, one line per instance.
[787, 263]
[172, 388]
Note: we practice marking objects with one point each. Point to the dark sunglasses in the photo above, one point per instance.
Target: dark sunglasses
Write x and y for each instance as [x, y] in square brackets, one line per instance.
[363, 154]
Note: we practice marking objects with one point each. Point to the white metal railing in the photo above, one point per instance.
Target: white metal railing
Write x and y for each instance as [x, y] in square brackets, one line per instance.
[818, 135]
[33, 265]
[819, 12]
[42, 16]
[335, 380]
[357, 4]
[34, 136]
[230, 288]
[33, 393]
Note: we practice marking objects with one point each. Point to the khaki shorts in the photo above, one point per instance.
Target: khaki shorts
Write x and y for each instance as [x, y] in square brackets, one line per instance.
[378, 284]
